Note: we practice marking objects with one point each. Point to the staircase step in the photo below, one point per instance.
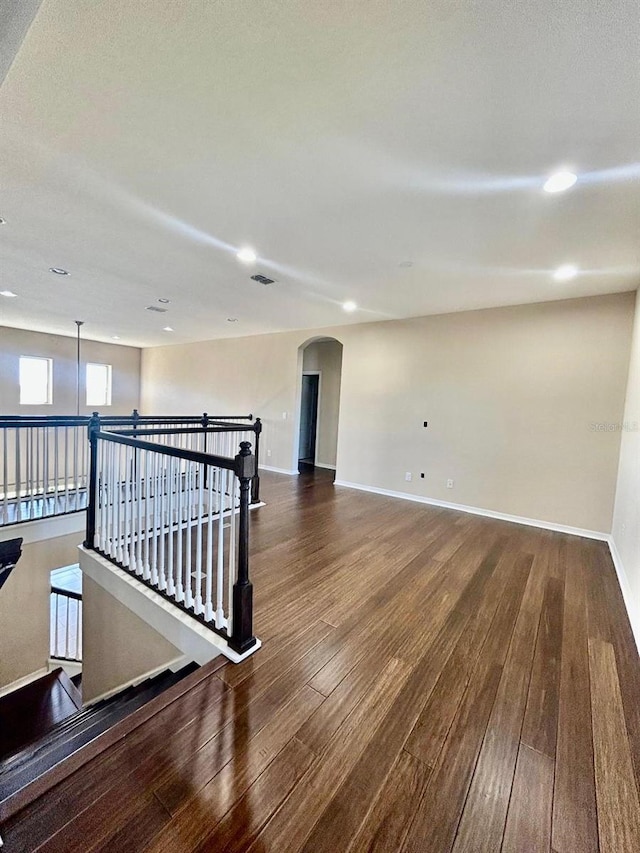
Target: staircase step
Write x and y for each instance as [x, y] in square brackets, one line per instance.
[76, 732]
[32, 711]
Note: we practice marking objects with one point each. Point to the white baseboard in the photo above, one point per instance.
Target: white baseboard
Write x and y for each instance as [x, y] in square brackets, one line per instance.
[278, 470]
[474, 510]
[324, 465]
[623, 580]
[174, 665]
[21, 682]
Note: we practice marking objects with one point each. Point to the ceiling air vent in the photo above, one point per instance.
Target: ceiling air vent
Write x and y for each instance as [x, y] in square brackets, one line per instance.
[156, 309]
[262, 279]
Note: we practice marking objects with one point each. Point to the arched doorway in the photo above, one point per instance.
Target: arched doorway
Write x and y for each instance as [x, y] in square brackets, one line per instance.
[318, 408]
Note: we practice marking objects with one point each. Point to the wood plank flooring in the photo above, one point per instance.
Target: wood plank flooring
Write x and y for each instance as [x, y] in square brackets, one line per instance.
[429, 682]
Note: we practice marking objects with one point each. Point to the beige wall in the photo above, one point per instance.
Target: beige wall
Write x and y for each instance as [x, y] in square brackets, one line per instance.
[235, 376]
[510, 394]
[626, 520]
[326, 358]
[24, 606]
[118, 647]
[125, 362]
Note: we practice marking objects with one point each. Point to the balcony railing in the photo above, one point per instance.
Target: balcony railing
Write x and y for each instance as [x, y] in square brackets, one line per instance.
[176, 517]
[44, 461]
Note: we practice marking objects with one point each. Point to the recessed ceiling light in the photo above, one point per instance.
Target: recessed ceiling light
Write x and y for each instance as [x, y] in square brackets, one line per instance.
[247, 255]
[559, 182]
[164, 301]
[349, 306]
[115, 337]
[8, 293]
[232, 319]
[58, 271]
[566, 272]
[167, 329]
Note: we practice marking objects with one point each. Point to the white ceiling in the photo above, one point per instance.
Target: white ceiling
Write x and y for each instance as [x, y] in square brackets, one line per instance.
[142, 143]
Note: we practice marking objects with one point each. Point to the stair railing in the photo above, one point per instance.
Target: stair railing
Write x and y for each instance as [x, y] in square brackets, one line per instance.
[66, 625]
[177, 518]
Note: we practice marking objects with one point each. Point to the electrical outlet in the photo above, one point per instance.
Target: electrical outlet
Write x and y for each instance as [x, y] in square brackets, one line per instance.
[268, 453]
[449, 484]
[407, 476]
[284, 416]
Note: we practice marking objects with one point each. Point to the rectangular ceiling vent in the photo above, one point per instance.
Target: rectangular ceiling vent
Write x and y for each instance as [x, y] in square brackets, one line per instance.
[262, 279]
[156, 309]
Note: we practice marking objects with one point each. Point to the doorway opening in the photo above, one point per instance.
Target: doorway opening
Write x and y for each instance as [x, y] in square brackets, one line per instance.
[308, 419]
[319, 407]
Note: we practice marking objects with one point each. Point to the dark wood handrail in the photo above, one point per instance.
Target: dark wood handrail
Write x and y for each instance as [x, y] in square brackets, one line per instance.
[112, 420]
[67, 593]
[190, 455]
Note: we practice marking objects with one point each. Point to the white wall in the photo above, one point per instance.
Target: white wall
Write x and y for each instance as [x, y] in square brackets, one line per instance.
[125, 362]
[326, 358]
[512, 397]
[626, 519]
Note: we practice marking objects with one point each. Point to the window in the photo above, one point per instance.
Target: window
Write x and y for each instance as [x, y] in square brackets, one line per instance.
[35, 381]
[98, 385]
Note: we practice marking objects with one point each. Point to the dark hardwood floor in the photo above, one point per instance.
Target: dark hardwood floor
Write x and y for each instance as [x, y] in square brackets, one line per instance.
[429, 682]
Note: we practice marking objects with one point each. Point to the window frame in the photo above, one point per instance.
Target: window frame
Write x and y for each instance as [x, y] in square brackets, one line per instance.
[49, 387]
[108, 396]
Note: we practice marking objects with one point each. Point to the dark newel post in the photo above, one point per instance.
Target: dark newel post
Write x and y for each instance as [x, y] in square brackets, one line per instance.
[134, 417]
[255, 483]
[94, 429]
[242, 637]
[204, 420]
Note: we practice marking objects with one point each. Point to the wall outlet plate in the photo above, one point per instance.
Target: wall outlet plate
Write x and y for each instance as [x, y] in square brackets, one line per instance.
[449, 484]
[407, 476]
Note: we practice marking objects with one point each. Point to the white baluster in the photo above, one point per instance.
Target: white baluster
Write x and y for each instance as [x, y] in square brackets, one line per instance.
[67, 640]
[56, 473]
[188, 560]
[126, 533]
[138, 475]
[66, 468]
[156, 503]
[199, 607]
[101, 448]
[222, 481]
[208, 607]
[180, 528]
[162, 570]
[171, 587]
[119, 506]
[147, 513]
[55, 645]
[231, 564]
[5, 469]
